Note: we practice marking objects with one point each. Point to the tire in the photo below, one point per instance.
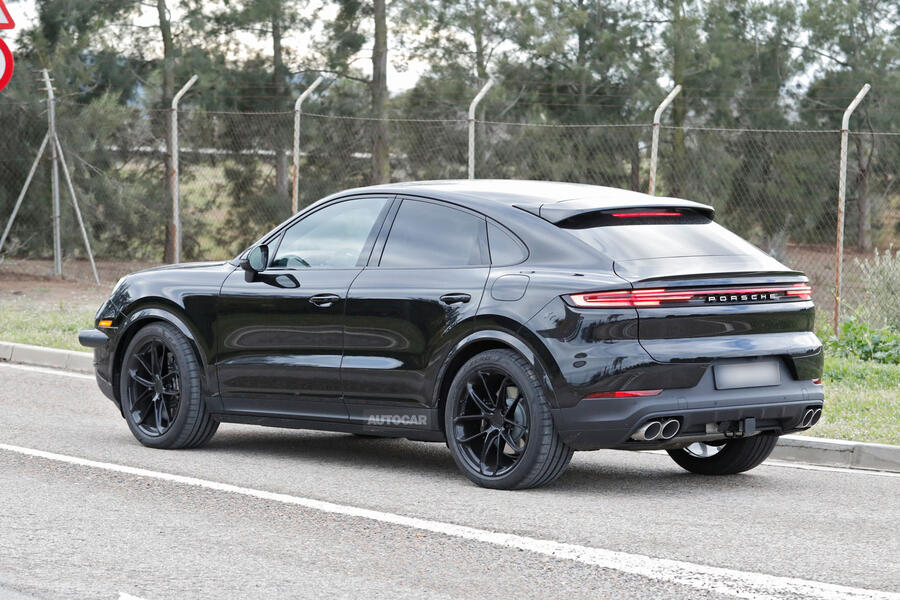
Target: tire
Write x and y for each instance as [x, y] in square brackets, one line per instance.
[537, 455]
[735, 456]
[160, 349]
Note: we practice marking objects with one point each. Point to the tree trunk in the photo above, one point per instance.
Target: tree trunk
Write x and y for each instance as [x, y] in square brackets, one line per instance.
[679, 108]
[478, 37]
[165, 29]
[381, 166]
[282, 185]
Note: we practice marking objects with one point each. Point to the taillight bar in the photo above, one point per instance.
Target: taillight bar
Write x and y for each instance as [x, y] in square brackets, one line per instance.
[658, 296]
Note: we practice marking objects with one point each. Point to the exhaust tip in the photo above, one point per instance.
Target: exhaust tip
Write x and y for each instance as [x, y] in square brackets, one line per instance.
[807, 418]
[648, 432]
[670, 429]
[817, 414]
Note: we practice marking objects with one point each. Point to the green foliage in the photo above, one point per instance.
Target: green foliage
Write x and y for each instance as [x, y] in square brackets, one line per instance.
[859, 340]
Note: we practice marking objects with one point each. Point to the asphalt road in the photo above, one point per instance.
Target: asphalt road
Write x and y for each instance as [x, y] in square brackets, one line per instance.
[87, 512]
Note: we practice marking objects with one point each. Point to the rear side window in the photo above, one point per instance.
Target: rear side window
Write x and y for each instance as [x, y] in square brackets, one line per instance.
[425, 234]
[633, 238]
[505, 249]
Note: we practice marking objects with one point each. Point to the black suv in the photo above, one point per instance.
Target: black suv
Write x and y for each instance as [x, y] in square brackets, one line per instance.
[516, 320]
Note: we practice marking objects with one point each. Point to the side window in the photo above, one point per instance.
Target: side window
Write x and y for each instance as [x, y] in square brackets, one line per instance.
[332, 237]
[505, 250]
[430, 235]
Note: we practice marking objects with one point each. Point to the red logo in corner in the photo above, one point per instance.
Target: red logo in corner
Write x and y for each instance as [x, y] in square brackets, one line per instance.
[6, 57]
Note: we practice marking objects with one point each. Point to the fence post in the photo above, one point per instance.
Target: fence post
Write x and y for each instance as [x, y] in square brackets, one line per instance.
[54, 175]
[84, 233]
[842, 193]
[298, 107]
[471, 120]
[176, 197]
[654, 145]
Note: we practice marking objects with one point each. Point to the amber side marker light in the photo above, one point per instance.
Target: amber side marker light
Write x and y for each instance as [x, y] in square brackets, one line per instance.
[625, 394]
[104, 323]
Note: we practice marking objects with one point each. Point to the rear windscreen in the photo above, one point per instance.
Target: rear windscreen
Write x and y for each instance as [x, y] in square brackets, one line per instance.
[632, 238]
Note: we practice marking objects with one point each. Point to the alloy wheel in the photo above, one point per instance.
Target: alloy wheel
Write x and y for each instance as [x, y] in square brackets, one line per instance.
[154, 387]
[491, 423]
[703, 450]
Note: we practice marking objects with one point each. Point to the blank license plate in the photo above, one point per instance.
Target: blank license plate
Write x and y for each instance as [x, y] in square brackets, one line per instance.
[745, 375]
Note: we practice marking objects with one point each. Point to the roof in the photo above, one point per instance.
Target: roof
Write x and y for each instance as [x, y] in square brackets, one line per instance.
[551, 200]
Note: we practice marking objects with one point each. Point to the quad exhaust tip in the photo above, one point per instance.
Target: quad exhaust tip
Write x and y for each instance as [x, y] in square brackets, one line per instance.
[817, 414]
[652, 430]
[670, 429]
[808, 416]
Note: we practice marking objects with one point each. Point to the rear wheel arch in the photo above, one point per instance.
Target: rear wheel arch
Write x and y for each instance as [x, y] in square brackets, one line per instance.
[476, 343]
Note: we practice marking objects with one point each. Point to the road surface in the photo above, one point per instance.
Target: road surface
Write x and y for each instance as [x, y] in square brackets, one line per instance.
[87, 512]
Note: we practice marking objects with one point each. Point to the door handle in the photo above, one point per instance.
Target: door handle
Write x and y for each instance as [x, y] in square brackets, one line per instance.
[324, 300]
[455, 298]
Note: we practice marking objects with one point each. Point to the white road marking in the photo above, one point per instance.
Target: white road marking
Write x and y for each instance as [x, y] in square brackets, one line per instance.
[740, 584]
[124, 596]
[45, 370]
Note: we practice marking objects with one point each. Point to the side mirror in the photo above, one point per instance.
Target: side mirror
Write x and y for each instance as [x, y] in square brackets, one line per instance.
[256, 260]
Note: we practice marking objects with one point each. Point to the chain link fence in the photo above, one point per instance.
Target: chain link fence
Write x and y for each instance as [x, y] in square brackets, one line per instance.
[778, 189]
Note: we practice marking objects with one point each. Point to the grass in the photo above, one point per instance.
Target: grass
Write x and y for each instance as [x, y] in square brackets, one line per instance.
[56, 326]
[862, 398]
[862, 401]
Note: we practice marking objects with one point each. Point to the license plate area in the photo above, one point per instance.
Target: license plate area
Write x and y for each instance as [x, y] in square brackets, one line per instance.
[757, 373]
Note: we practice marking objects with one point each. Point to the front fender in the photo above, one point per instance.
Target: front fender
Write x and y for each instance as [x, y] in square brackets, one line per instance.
[172, 315]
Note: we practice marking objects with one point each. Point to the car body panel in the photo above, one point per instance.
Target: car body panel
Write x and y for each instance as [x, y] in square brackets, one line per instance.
[389, 346]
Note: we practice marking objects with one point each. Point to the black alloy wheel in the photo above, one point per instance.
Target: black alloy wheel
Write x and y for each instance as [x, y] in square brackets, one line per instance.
[154, 387]
[161, 390]
[491, 426]
[498, 424]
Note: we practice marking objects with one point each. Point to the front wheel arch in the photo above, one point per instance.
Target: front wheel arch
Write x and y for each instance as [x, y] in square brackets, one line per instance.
[137, 321]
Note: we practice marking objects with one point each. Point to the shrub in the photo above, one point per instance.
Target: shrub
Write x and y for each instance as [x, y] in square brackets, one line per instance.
[858, 339]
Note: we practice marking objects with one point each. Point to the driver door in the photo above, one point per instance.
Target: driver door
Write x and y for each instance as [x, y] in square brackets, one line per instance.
[281, 336]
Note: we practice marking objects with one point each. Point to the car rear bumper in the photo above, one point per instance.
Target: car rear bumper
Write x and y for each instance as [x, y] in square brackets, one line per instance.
[704, 413]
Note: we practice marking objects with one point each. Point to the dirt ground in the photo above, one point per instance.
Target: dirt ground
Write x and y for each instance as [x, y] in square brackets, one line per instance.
[41, 290]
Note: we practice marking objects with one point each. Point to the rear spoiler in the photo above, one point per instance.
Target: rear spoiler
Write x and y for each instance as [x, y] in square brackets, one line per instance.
[556, 212]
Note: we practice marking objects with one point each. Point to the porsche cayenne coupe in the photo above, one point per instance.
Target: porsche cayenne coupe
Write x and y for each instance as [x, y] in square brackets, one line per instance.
[517, 321]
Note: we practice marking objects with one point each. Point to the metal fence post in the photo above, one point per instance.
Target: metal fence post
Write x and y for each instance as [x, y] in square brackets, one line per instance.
[654, 145]
[842, 193]
[298, 107]
[54, 175]
[471, 120]
[176, 197]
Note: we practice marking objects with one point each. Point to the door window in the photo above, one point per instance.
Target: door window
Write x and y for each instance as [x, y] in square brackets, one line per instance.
[425, 234]
[333, 237]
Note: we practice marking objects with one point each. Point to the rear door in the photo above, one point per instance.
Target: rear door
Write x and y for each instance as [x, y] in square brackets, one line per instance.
[701, 292]
[426, 276]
